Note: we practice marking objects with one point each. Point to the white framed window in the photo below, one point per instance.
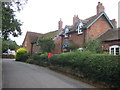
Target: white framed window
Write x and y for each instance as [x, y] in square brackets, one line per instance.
[115, 50]
[80, 31]
[79, 28]
[66, 31]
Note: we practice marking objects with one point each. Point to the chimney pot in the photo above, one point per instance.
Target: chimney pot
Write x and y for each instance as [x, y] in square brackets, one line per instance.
[60, 24]
[75, 19]
[114, 22]
[100, 8]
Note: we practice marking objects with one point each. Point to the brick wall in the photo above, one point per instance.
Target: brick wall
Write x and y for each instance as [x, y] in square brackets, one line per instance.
[106, 45]
[76, 38]
[35, 49]
[28, 45]
[98, 28]
[57, 43]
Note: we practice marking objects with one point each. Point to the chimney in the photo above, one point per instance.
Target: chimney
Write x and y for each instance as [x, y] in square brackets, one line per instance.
[75, 19]
[60, 24]
[114, 22]
[100, 8]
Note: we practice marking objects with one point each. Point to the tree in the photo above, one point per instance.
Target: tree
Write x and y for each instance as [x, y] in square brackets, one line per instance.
[9, 44]
[94, 46]
[10, 24]
[46, 44]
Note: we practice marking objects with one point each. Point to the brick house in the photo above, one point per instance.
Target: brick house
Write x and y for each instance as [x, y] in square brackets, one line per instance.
[98, 26]
[30, 42]
[111, 41]
[57, 38]
[91, 28]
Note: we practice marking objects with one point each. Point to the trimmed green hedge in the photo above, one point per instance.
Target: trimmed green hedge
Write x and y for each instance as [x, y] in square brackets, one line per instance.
[102, 68]
[38, 60]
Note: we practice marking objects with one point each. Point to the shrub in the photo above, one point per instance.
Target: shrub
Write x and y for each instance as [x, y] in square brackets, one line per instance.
[94, 46]
[39, 59]
[21, 54]
[30, 60]
[102, 68]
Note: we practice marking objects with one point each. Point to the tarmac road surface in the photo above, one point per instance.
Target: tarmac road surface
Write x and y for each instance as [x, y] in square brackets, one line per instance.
[22, 75]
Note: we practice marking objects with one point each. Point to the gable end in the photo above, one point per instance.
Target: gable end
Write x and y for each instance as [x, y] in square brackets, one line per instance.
[103, 13]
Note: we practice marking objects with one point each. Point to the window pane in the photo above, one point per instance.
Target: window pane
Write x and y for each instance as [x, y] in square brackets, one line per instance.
[117, 51]
[112, 50]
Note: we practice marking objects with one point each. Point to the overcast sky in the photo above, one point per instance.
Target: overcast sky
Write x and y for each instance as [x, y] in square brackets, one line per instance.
[42, 16]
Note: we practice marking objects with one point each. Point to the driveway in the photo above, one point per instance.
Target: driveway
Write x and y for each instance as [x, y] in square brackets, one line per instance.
[22, 75]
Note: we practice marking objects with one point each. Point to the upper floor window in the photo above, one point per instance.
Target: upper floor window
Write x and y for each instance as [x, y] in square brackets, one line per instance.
[66, 31]
[79, 29]
[115, 50]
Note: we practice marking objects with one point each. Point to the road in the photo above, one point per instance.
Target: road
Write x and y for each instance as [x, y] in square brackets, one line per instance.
[23, 75]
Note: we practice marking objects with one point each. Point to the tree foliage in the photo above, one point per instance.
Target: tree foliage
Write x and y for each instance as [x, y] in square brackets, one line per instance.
[46, 44]
[10, 24]
[72, 46]
[94, 46]
[9, 44]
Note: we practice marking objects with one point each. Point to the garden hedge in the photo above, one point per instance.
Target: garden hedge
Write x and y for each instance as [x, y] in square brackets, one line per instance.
[102, 68]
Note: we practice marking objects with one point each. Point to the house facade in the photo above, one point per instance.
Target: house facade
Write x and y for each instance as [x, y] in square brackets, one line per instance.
[30, 42]
[111, 41]
[91, 28]
[97, 27]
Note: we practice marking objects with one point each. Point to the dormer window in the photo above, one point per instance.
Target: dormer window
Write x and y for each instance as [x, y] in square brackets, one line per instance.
[66, 31]
[79, 29]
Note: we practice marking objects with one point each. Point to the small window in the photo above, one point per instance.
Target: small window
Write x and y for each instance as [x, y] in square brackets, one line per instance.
[112, 50]
[117, 51]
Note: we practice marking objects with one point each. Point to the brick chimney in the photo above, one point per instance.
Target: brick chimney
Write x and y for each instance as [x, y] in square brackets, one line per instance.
[100, 8]
[114, 22]
[75, 19]
[60, 24]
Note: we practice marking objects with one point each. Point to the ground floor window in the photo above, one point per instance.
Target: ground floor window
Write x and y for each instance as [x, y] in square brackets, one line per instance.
[115, 50]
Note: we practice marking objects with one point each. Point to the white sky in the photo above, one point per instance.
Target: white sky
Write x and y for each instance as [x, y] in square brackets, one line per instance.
[42, 16]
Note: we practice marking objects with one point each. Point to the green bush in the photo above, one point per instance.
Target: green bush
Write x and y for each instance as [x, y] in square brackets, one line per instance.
[102, 68]
[30, 60]
[39, 59]
[21, 54]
